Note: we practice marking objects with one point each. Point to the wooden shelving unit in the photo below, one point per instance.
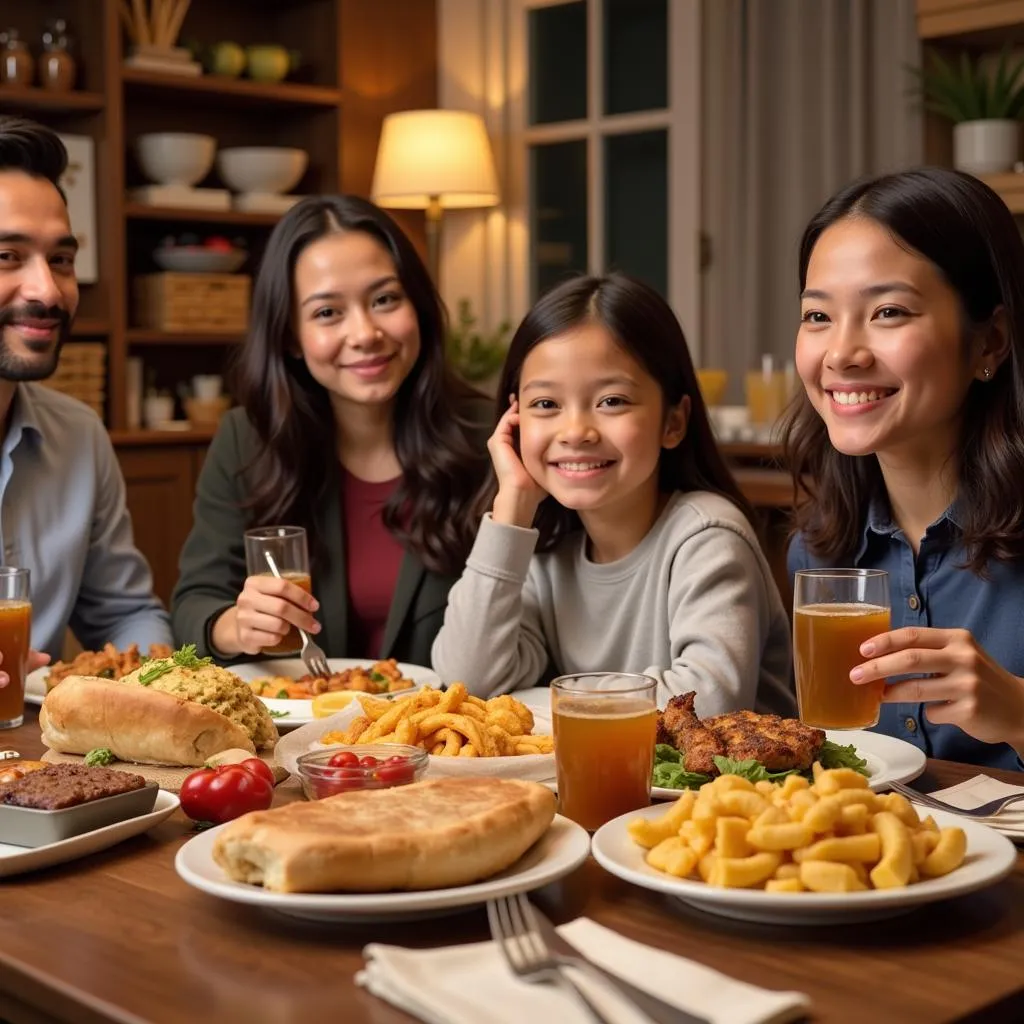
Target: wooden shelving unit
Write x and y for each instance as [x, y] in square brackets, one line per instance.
[231, 92]
[975, 25]
[35, 98]
[972, 22]
[139, 211]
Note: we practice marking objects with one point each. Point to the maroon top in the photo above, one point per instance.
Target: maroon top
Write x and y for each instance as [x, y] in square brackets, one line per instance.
[372, 559]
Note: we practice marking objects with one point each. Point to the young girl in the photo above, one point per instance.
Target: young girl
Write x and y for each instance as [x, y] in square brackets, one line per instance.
[912, 433]
[607, 468]
[349, 425]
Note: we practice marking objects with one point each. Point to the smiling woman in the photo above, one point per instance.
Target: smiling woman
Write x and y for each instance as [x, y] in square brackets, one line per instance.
[352, 426]
[911, 441]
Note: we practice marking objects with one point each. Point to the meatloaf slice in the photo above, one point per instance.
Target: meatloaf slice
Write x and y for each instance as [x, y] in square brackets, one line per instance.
[67, 785]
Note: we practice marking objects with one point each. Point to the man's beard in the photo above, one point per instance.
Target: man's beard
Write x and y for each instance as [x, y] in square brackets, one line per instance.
[21, 368]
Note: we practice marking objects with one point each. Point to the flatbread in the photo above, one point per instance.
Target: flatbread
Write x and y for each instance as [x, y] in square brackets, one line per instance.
[427, 835]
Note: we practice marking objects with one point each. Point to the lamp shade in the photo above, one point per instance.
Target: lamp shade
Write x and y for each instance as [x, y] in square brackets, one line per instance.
[439, 154]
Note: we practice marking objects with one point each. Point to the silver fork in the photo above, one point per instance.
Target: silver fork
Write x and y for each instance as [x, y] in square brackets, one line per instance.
[312, 653]
[525, 952]
[982, 811]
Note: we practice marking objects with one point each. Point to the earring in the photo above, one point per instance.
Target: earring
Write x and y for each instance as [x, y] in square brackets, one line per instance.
[988, 372]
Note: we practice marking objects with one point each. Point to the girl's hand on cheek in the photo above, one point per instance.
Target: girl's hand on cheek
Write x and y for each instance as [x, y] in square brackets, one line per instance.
[518, 493]
[969, 689]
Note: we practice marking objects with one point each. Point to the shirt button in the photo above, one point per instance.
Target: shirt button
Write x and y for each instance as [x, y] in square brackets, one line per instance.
[913, 602]
[910, 724]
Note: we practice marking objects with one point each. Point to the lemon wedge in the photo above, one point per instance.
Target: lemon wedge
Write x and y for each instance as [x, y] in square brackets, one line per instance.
[326, 704]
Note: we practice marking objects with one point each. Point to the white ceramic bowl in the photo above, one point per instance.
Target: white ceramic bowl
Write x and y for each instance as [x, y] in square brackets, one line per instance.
[273, 169]
[190, 259]
[175, 158]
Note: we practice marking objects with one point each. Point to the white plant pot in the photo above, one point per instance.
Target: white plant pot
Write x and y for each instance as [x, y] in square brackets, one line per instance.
[986, 147]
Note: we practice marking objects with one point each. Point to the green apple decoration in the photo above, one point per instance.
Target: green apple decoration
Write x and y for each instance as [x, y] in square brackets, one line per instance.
[226, 58]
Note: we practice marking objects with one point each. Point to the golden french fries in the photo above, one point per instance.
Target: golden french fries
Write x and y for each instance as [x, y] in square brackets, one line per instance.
[446, 723]
[832, 835]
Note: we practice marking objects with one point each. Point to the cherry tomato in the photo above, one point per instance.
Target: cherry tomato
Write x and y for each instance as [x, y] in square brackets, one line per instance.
[397, 771]
[225, 793]
[340, 782]
[218, 243]
[344, 759]
[368, 761]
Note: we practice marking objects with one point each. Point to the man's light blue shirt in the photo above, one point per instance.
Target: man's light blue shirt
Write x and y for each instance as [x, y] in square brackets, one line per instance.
[63, 516]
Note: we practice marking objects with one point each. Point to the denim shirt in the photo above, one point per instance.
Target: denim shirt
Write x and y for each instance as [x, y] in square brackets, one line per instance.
[934, 589]
[63, 517]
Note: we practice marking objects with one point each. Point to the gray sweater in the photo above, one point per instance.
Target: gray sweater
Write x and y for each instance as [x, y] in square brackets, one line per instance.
[694, 604]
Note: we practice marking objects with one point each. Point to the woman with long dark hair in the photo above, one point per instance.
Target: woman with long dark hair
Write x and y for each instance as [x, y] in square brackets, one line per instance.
[617, 539]
[910, 439]
[351, 425]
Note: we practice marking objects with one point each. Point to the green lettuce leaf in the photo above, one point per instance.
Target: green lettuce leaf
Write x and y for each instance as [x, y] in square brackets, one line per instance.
[670, 773]
[751, 770]
[832, 755]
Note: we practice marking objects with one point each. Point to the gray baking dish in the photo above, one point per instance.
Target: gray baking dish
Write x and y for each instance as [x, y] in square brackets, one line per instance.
[26, 826]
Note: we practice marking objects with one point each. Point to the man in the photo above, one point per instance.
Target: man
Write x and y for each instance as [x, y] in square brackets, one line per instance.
[62, 496]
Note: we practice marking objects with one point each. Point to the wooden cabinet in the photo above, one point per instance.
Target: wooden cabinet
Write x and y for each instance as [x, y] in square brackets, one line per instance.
[160, 482]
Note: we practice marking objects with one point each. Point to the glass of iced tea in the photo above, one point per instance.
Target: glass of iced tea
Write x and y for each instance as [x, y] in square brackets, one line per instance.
[15, 634]
[286, 545]
[834, 612]
[604, 726]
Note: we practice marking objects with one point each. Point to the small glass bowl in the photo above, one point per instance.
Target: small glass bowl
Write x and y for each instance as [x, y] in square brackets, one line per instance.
[320, 779]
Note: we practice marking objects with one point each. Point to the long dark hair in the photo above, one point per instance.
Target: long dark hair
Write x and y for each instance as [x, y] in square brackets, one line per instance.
[431, 510]
[960, 225]
[643, 323]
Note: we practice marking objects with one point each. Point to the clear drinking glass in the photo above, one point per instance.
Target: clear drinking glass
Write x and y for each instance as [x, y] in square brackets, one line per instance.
[834, 612]
[604, 727]
[286, 545]
[15, 635]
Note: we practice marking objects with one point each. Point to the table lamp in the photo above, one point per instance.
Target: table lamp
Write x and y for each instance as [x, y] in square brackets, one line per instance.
[434, 160]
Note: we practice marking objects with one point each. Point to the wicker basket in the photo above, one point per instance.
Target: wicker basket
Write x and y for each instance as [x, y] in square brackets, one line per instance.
[192, 303]
[82, 374]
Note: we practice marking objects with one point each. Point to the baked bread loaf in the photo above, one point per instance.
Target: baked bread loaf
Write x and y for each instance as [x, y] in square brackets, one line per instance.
[427, 835]
[135, 723]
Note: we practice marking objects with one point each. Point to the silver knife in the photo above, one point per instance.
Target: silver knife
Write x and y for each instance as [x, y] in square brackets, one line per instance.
[657, 1009]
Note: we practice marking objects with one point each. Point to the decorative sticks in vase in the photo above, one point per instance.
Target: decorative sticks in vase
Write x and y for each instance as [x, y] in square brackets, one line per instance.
[153, 29]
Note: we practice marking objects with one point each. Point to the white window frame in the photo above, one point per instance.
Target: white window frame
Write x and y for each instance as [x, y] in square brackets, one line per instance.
[681, 119]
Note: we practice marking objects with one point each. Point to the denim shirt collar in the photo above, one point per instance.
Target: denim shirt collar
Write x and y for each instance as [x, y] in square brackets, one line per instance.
[879, 523]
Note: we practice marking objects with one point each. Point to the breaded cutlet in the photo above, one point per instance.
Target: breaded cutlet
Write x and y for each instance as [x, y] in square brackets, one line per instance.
[780, 744]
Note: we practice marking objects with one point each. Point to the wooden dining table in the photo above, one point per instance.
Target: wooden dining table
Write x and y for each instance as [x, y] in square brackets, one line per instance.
[118, 938]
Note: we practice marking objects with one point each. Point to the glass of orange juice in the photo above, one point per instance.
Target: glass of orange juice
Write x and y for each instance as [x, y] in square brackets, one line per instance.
[15, 634]
[834, 612]
[604, 726]
[286, 545]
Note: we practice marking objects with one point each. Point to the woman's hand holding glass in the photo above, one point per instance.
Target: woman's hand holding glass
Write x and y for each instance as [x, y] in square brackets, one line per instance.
[266, 609]
[954, 674]
[518, 495]
[36, 659]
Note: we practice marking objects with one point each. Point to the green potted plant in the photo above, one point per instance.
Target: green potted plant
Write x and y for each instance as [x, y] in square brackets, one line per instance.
[475, 355]
[985, 105]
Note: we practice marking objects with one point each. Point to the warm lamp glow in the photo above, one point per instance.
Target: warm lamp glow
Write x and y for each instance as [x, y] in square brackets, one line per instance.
[431, 158]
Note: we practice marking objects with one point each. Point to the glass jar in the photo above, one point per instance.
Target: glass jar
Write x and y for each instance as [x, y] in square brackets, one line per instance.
[56, 65]
[16, 63]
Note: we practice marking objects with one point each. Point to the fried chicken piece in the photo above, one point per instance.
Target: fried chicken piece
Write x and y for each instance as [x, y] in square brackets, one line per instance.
[689, 735]
[780, 744]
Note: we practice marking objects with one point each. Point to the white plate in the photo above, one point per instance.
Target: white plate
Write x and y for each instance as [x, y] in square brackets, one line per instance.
[35, 685]
[15, 859]
[558, 852]
[889, 759]
[990, 857]
[300, 712]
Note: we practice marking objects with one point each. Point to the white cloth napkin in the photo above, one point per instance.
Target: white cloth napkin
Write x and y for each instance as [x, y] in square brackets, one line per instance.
[469, 984]
[980, 790]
